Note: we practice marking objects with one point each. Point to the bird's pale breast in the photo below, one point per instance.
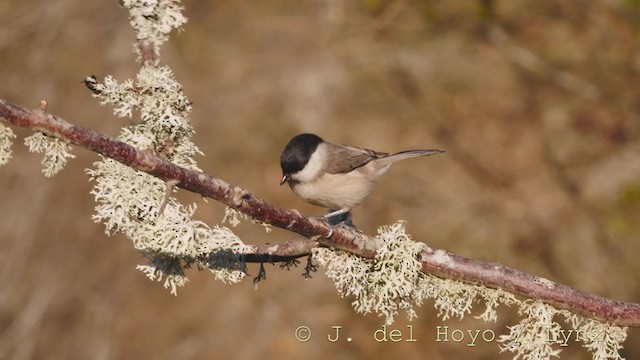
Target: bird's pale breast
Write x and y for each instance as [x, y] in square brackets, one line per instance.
[336, 191]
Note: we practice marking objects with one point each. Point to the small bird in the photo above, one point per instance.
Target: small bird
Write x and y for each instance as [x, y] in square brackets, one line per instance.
[337, 177]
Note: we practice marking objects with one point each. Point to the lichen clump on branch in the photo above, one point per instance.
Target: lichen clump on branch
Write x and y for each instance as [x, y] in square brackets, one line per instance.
[137, 204]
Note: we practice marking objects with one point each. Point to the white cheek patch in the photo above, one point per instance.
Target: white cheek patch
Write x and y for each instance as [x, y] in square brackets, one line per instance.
[314, 166]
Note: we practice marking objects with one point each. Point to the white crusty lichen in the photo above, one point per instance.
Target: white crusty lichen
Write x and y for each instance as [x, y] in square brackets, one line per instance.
[130, 202]
[539, 336]
[56, 152]
[6, 134]
[169, 269]
[529, 339]
[139, 205]
[164, 113]
[603, 340]
[393, 280]
[222, 249]
[125, 197]
[383, 285]
[233, 217]
[455, 298]
[153, 20]
[492, 298]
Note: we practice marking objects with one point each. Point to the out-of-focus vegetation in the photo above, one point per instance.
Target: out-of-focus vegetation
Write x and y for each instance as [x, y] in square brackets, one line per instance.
[536, 103]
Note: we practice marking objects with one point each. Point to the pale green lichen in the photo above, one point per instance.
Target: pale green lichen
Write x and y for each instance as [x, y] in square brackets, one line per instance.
[221, 247]
[153, 20]
[169, 269]
[455, 299]
[492, 298]
[129, 201]
[603, 340]
[6, 134]
[139, 205]
[56, 152]
[538, 336]
[529, 339]
[224, 251]
[164, 113]
[383, 285]
[233, 217]
[393, 281]
[125, 197]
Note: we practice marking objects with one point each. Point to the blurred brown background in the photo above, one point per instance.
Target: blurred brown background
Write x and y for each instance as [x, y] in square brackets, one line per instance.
[536, 104]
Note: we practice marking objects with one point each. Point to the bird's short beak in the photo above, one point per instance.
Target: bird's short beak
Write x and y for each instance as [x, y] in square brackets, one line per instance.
[284, 178]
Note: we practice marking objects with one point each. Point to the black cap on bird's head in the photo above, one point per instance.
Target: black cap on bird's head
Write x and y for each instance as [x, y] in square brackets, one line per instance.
[297, 153]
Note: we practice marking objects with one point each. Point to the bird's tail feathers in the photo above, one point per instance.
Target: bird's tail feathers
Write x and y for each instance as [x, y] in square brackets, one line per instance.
[408, 154]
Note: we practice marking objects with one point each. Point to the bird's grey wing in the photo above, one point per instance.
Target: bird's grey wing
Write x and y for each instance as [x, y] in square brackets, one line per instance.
[345, 158]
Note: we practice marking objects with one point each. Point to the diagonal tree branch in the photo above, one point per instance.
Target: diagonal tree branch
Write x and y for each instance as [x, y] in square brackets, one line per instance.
[437, 262]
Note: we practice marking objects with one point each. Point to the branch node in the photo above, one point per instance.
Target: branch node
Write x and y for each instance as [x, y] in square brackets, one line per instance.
[148, 53]
[43, 106]
[239, 198]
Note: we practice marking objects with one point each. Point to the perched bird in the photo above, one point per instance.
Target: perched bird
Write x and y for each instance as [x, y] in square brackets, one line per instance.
[337, 177]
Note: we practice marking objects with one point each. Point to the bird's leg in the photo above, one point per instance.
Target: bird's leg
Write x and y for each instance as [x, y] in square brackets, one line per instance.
[334, 213]
[336, 217]
[348, 221]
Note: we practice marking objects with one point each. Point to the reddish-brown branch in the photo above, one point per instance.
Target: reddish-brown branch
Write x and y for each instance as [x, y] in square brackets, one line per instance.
[445, 264]
[194, 181]
[148, 53]
[439, 262]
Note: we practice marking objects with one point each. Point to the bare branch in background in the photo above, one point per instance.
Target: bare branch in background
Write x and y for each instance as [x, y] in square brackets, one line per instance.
[528, 60]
